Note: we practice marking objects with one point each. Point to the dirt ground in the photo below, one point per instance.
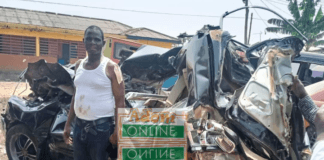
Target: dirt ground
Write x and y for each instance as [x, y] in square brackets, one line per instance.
[6, 90]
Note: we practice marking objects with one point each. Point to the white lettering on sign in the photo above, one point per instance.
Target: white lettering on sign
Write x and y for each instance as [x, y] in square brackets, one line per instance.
[145, 130]
[134, 152]
[149, 153]
[129, 133]
[141, 154]
[172, 131]
[172, 154]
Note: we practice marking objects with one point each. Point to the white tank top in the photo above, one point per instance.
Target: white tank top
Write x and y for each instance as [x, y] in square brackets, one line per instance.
[93, 96]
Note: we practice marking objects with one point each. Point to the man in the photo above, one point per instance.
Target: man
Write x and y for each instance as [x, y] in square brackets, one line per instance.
[99, 92]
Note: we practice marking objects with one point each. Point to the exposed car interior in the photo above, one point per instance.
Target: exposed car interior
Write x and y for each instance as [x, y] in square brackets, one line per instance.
[310, 73]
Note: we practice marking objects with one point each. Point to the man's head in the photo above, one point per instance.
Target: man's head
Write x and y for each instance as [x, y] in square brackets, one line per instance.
[93, 40]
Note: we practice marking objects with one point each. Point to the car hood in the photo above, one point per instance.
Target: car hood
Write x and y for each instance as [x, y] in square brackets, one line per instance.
[39, 73]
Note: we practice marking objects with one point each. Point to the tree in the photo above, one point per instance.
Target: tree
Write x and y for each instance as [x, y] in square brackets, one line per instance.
[305, 20]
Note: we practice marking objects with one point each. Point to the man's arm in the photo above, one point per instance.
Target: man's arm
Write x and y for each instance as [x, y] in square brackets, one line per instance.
[308, 109]
[306, 104]
[318, 150]
[71, 116]
[118, 88]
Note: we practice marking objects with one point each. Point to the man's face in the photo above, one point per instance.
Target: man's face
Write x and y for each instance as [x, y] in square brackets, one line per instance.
[93, 41]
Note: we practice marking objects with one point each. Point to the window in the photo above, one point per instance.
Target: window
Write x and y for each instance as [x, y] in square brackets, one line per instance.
[314, 74]
[317, 72]
[0, 43]
[53, 48]
[43, 44]
[74, 50]
[21, 45]
[119, 46]
[18, 45]
[29, 46]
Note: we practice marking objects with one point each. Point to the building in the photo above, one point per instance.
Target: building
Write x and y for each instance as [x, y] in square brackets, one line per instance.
[27, 36]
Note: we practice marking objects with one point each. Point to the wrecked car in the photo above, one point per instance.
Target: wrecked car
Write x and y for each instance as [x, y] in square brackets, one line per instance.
[238, 97]
[241, 104]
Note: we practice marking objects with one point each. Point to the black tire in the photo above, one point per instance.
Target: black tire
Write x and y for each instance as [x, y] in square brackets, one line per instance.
[21, 143]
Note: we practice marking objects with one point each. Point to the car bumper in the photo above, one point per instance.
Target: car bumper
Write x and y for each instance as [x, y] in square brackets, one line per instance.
[3, 126]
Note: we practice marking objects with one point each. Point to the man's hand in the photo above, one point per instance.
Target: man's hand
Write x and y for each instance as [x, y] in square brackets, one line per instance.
[319, 123]
[298, 88]
[114, 138]
[66, 134]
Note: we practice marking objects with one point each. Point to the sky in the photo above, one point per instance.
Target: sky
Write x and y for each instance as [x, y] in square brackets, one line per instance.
[171, 25]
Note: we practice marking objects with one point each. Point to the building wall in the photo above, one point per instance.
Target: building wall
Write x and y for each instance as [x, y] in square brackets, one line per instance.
[20, 61]
[53, 39]
[12, 56]
[12, 65]
[156, 43]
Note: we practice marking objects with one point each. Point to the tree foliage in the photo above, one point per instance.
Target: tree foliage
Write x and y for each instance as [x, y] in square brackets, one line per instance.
[305, 19]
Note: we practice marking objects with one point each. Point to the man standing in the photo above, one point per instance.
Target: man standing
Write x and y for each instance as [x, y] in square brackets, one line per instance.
[99, 92]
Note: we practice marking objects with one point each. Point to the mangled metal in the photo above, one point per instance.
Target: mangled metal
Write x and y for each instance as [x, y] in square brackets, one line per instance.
[147, 68]
[198, 70]
[265, 96]
[238, 98]
[217, 96]
[209, 133]
[236, 101]
[43, 77]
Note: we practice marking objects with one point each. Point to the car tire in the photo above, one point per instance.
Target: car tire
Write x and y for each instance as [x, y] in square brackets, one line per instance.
[21, 143]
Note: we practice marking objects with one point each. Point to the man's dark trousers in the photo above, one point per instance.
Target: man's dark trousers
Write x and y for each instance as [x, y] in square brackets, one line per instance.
[92, 145]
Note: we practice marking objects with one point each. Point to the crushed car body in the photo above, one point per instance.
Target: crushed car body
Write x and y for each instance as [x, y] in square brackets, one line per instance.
[246, 97]
[237, 96]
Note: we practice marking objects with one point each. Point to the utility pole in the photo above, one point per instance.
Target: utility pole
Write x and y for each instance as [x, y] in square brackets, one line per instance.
[246, 21]
[259, 34]
[250, 28]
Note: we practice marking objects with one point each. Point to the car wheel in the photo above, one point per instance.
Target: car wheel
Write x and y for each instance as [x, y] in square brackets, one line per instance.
[20, 143]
